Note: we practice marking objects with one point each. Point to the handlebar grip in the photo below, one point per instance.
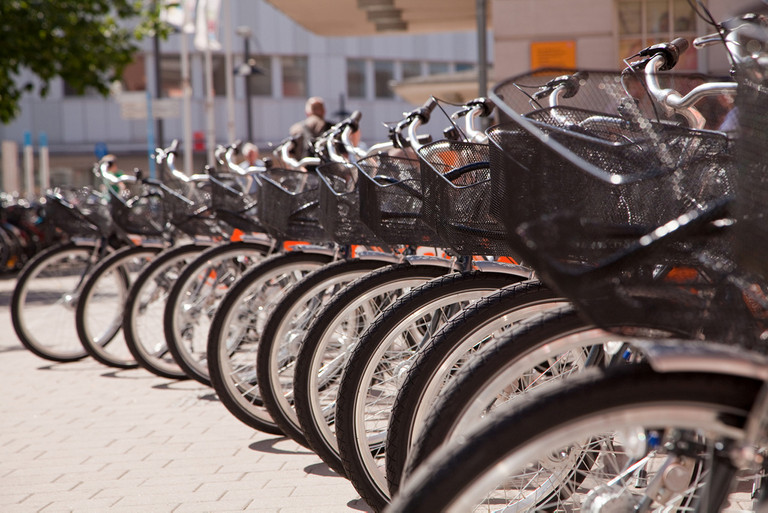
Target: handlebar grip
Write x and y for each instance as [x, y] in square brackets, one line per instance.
[486, 103]
[425, 111]
[681, 44]
[671, 52]
[173, 147]
[355, 117]
[573, 83]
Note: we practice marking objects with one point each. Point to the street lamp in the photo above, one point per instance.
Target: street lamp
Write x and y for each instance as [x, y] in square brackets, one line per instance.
[246, 69]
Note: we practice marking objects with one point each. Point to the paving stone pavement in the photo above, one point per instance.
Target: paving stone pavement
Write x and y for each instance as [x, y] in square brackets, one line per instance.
[83, 437]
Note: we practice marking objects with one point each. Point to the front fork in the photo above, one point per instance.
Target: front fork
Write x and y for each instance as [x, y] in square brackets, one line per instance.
[97, 254]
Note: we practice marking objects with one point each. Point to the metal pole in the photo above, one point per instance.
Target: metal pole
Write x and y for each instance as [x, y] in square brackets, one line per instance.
[228, 71]
[482, 48]
[158, 88]
[210, 120]
[29, 163]
[186, 101]
[45, 166]
[248, 119]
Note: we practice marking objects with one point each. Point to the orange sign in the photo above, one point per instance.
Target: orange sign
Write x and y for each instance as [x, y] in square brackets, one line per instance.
[553, 54]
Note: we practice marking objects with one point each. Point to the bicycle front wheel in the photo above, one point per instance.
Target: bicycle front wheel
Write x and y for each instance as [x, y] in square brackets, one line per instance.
[378, 365]
[236, 330]
[46, 295]
[284, 334]
[453, 346]
[99, 313]
[143, 316]
[623, 440]
[331, 338]
[194, 298]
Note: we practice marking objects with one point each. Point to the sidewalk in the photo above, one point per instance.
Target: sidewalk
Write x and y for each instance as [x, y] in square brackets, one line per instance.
[83, 437]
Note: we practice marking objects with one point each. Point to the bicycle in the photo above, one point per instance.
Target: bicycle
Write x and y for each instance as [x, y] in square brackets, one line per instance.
[48, 286]
[645, 419]
[163, 217]
[146, 301]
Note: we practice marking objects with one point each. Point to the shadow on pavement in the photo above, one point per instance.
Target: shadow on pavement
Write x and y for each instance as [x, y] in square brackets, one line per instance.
[8, 349]
[269, 446]
[320, 469]
[359, 505]
[185, 384]
[124, 374]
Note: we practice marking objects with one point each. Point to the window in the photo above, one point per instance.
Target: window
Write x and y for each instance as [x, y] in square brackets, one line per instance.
[411, 69]
[260, 82]
[90, 92]
[384, 73]
[295, 76]
[645, 22]
[134, 75]
[356, 83]
[437, 68]
[218, 63]
[465, 66]
[170, 76]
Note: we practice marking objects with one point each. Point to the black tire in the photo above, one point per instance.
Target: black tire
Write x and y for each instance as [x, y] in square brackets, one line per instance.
[144, 307]
[109, 283]
[284, 332]
[544, 349]
[593, 405]
[46, 294]
[321, 358]
[232, 366]
[409, 323]
[183, 341]
[455, 343]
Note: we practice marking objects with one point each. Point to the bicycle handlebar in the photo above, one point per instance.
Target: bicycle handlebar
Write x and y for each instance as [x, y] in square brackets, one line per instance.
[286, 156]
[670, 52]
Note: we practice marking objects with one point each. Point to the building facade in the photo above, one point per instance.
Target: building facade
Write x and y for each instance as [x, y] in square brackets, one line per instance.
[598, 34]
[351, 73]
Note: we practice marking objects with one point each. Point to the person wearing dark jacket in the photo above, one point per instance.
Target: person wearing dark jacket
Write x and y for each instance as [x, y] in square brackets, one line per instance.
[309, 129]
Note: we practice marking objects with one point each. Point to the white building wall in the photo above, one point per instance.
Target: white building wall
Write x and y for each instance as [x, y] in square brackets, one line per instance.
[76, 124]
[592, 24]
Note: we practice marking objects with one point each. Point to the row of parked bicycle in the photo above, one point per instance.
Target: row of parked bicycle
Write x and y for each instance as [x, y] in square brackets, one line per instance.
[24, 231]
[410, 312]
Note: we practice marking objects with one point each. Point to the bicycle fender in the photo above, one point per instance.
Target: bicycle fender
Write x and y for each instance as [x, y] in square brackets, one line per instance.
[683, 356]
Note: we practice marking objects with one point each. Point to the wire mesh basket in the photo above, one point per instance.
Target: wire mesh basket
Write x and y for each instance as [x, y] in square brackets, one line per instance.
[609, 92]
[289, 206]
[752, 179]
[78, 212]
[391, 200]
[232, 205]
[456, 181]
[340, 205]
[188, 208]
[140, 215]
[612, 211]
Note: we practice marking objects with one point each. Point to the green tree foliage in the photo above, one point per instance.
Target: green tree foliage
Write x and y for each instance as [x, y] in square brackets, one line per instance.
[86, 42]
